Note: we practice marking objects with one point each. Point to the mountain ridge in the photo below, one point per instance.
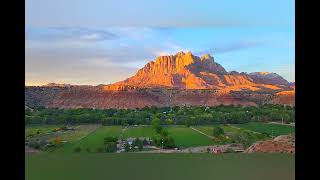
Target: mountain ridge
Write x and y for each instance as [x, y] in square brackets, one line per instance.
[187, 71]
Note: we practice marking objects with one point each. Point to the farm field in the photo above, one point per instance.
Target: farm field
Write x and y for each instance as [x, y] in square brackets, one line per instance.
[209, 129]
[41, 129]
[231, 134]
[183, 136]
[94, 140]
[83, 166]
[90, 137]
[270, 129]
[186, 137]
[144, 131]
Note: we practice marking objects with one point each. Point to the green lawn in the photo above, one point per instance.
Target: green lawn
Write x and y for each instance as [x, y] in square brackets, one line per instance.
[84, 166]
[275, 129]
[186, 137]
[94, 140]
[144, 131]
[209, 129]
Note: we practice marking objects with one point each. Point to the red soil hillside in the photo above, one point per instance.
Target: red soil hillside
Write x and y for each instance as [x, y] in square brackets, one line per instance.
[280, 144]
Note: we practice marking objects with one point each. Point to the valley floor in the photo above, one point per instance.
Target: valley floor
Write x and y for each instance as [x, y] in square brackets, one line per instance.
[90, 137]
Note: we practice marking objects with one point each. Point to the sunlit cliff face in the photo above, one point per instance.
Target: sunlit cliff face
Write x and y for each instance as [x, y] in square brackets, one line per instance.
[187, 71]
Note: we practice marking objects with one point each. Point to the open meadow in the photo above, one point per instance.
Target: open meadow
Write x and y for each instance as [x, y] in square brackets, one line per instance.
[267, 128]
[84, 166]
[186, 137]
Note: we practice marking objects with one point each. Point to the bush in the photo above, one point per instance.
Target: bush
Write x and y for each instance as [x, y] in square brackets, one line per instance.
[217, 131]
[110, 139]
[34, 145]
[230, 150]
[169, 142]
[126, 147]
[77, 149]
[139, 143]
[110, 147]
[99, 150]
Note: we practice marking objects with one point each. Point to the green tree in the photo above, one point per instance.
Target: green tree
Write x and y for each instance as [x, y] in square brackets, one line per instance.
[169, 142]
[139, 143]
[217, 131]
[110, 144]
[156, 125]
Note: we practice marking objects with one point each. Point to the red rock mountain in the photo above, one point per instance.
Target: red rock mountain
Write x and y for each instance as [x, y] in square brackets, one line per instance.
[174, 80]
[187, 71]
[268, 78]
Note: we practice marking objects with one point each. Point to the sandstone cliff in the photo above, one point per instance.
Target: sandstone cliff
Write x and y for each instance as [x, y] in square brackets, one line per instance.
[187, 71]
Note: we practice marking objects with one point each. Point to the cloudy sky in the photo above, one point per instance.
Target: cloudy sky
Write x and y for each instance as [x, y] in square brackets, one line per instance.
[100, 42]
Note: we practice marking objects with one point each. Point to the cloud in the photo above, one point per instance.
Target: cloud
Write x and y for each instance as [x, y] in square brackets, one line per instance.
[108, 55]
[231, 46]
[68, 33]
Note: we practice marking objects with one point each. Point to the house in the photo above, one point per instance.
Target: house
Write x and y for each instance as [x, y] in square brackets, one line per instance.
[216, 150]
[121, 143]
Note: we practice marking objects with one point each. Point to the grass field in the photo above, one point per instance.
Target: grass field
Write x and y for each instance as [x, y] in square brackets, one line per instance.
[42, 129]
[209, 129]
[275, 129]
[94, 140]
[145, 131]
[231, 132]
[84, 166]
[186, 137]
[91, 136]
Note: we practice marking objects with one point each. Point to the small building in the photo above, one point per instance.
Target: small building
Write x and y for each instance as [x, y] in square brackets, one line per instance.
[217, 150]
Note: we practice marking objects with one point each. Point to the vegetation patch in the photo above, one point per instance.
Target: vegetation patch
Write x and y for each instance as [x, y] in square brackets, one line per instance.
[266, 128]
[186, 137]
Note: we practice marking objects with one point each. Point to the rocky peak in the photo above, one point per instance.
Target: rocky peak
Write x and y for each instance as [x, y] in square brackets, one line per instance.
[184, 62]
[268, 78]
[207, 57]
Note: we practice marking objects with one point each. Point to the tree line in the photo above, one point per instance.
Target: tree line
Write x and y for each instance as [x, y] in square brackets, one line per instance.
[222, 114]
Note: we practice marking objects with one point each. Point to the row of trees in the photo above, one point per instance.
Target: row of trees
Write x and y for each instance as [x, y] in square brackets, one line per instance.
[167, 115]
[162, 139]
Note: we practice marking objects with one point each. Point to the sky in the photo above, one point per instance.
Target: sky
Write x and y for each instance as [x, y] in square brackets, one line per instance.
[101, 42]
